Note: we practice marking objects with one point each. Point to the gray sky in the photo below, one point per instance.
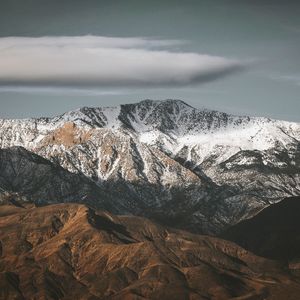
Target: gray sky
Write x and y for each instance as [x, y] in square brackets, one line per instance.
[236, 56]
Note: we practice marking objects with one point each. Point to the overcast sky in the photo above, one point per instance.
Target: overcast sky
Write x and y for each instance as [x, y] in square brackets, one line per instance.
[237, 56]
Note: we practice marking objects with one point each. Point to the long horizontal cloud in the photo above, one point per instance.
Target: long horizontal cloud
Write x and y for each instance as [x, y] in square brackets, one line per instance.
[91, 61]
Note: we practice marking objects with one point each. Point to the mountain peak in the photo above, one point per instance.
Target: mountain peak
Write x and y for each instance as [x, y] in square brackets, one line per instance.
[168, 116]
[152, 149]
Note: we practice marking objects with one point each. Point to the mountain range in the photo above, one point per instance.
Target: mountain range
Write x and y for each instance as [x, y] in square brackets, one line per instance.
[71, 251]
[194, 169]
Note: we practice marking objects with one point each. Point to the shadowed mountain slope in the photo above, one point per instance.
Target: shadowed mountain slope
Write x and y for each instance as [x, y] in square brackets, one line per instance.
[273, 233]
[27, 176]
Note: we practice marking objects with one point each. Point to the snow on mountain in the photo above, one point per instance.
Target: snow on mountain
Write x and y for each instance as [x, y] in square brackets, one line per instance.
[198, 168]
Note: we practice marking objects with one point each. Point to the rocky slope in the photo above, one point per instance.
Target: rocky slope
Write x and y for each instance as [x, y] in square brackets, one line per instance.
[69, 251]
[29, 177]
[193, 168]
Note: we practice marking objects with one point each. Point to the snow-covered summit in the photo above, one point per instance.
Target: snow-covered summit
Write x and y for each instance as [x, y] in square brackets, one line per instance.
[171, 123]
[168, 116]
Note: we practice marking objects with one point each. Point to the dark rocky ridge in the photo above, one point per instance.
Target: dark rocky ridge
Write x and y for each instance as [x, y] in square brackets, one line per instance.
[28, 176]
[273, 233]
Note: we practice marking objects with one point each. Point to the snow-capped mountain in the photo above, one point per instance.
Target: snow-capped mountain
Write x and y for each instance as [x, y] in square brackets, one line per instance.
[194, 168]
